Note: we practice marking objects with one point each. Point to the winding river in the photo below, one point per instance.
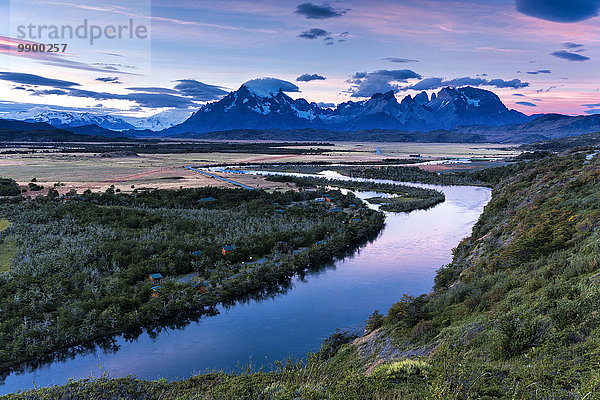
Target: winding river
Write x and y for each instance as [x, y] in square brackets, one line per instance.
[403, 259]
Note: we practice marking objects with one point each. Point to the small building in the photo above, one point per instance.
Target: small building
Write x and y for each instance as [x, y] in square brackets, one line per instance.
[202, 287]
[320, 200]
[156, 278]
[327, 199]
[227, 249]
[156, 291]
[197, 253]
[207, 200]
[299, 251]
[415, 155]
[336, 209]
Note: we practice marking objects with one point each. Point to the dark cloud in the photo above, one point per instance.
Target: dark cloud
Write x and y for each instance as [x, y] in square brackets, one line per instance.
[559, 10]
[591, 105]
[153, 100]
[366, 84]
[198, 90]
[313, 33]
[435, 83]
[501, 83]
[540, 71]
[571, 45]
[109, 79]
[314, 11]
[545, 90]
[185, 93]
[593, 111]
[519, 94]
[310, 77]
[526, 103]
[399, 60]
[36, 80]
[565, 55]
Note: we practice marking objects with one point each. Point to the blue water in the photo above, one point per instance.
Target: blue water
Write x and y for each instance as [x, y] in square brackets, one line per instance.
[403, 259]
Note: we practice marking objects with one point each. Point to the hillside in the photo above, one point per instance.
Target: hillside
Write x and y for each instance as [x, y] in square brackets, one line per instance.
[19, 131]
[544, 127]
[514, 316]
[561, 144]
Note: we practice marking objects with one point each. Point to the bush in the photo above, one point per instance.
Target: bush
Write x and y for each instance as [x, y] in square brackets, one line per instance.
[9, 187]
[516, 335]
[402, 370]
[375, 321]
[423, 331]
[34, 187]
[408, 311]
[333, 343]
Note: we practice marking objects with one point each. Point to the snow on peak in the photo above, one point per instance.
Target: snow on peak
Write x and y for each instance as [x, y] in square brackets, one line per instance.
[266, 87]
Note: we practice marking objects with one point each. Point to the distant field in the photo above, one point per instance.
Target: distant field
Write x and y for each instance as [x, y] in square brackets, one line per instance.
[81, 171]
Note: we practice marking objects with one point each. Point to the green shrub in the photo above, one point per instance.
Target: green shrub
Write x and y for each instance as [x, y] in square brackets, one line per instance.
[375, 321]
[517, 334]
[9, 187]
[402, 370]
[332, 344]
[34, 187]
[408, 311]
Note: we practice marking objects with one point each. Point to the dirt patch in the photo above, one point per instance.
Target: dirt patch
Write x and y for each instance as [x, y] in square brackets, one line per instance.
[376, 348]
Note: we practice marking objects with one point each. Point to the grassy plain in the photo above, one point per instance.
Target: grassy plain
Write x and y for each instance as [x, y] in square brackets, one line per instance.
[81, 171]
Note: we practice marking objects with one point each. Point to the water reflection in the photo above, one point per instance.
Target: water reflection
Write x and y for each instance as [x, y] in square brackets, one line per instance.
[290, 319]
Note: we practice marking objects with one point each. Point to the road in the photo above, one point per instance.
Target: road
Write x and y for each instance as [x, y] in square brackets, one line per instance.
[243, 186]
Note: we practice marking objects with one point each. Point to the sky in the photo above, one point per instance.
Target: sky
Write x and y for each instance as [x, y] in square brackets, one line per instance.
[139, 57]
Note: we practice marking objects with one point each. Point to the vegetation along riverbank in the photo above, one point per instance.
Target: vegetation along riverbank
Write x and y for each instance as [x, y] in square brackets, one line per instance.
[513, 316]
[406, 198]
[81, 267]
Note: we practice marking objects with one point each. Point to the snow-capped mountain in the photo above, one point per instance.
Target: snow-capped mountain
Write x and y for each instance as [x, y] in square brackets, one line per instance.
[258, 109]
[160, 121]
[63, 119]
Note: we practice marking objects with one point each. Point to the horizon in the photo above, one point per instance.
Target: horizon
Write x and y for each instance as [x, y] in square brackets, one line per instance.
[537, 58]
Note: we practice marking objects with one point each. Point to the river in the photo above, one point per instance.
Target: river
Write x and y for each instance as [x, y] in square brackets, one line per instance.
[403, 259]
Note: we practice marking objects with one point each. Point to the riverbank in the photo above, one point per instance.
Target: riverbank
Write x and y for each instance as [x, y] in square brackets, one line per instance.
[100, 249]
[272, 326]
[513, 316]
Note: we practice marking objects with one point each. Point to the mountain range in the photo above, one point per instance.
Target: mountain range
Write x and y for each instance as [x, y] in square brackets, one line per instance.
[68, 119]
[450, 107]
[464, 114]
